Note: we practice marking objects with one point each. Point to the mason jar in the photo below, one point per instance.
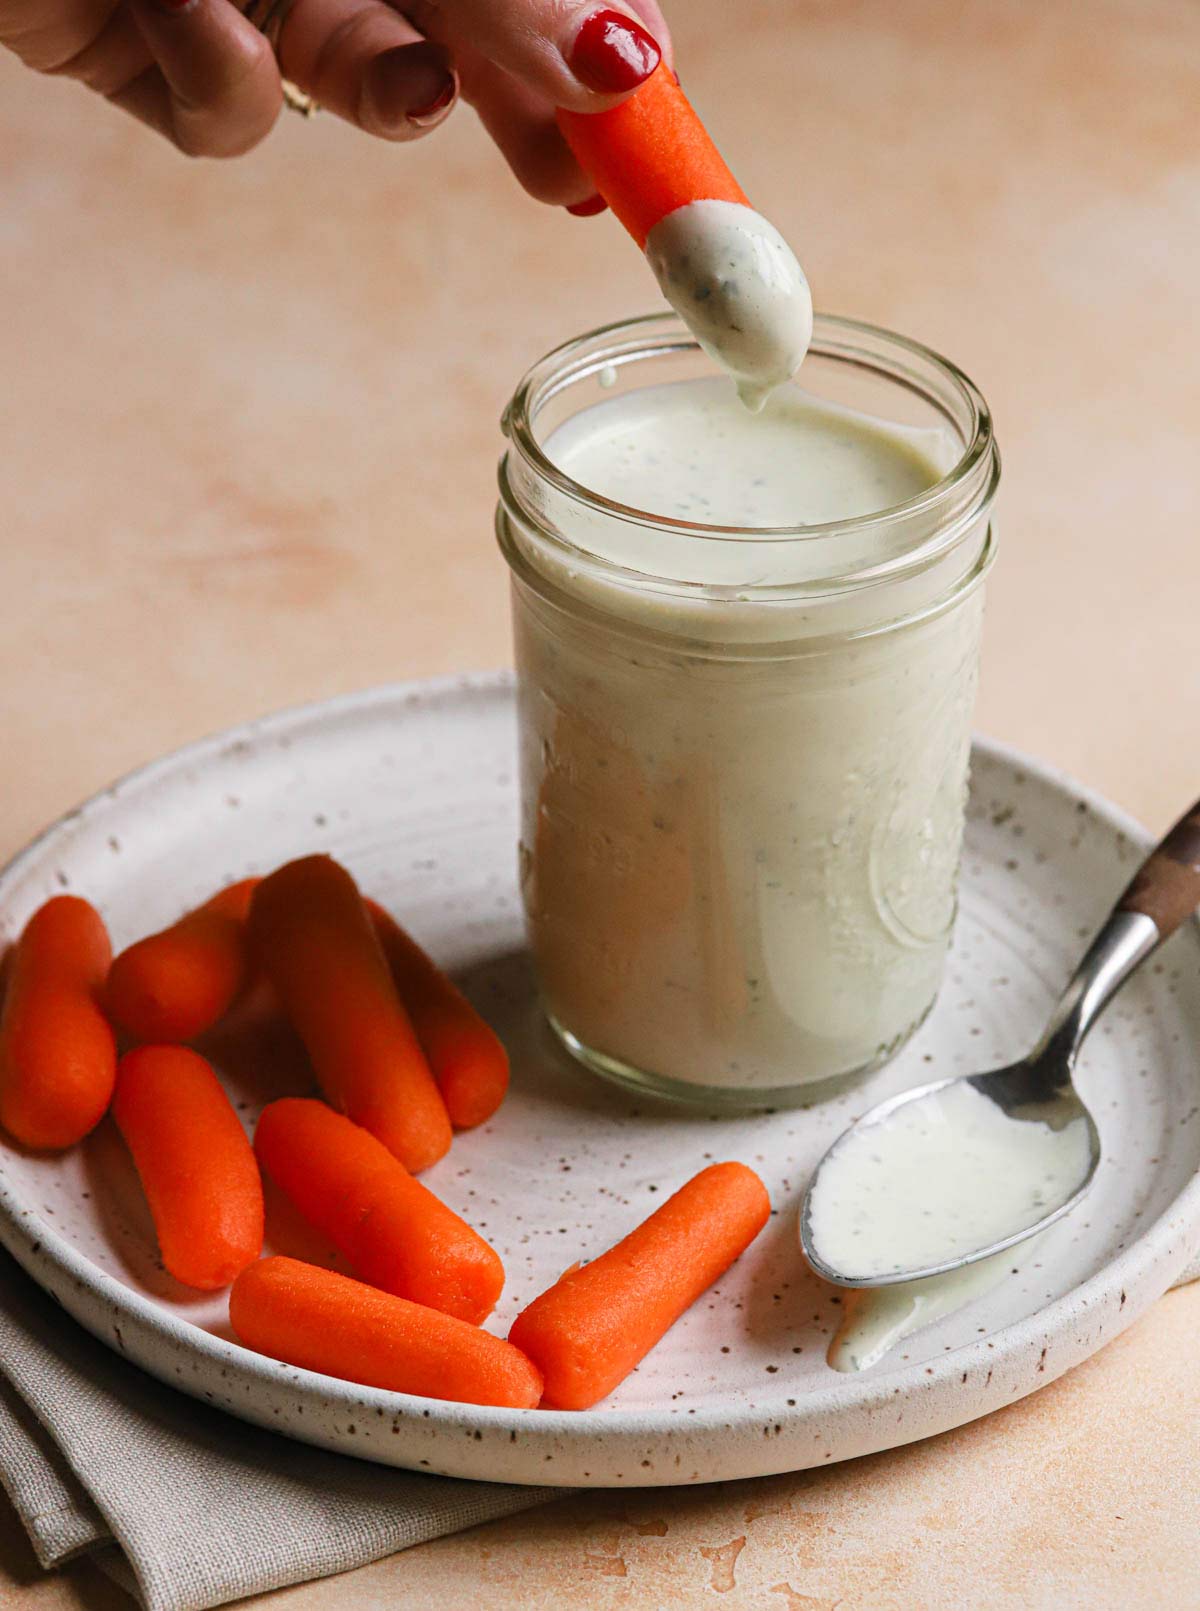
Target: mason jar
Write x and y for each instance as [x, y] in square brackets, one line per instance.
[743, 781]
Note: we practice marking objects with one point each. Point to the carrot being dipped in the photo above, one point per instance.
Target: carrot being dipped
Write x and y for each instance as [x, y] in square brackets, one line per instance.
[174, 985]
[587, 1332]
[465, 1054]
[397, 1235]
[58, 1058]
[324, 1322]
[728, 273]
[194, 1162]
[313, 937]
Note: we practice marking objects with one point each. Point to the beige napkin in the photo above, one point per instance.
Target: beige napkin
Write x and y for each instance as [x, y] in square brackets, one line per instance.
[185, 1506]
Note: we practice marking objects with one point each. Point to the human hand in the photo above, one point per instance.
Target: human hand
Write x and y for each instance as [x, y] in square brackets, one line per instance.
[203, 75]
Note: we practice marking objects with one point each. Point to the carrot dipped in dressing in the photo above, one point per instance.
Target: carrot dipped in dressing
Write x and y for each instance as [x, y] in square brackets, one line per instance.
[727, 272]
[587, 1332]
[194, 1162]
[58, 1058]
[313, 937]
[397, 1235]
[465, 1054]
[173, 985]
[324, 1322]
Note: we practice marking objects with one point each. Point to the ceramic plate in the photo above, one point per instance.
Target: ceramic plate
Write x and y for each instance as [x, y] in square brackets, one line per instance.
[413, 787]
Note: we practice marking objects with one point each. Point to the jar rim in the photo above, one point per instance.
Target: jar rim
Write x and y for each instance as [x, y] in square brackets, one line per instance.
[851, 341]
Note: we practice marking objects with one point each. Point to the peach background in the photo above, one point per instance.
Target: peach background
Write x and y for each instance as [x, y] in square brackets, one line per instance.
[248, 430]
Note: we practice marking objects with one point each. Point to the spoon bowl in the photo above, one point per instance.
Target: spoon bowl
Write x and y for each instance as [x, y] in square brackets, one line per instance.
[888, 1210]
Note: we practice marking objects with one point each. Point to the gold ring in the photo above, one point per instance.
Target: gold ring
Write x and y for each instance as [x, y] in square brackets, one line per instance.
[298, 100]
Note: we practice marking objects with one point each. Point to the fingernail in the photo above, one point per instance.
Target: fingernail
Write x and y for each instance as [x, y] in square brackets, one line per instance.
[410, 85]
[423, 116]
[173, 5]
[613, 53]
[589, 208]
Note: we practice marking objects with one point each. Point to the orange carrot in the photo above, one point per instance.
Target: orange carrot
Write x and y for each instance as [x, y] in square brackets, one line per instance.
[650, 155]
[465, 1054]
[325, 1322]
[194, 1161]
[396, 1234]
[58, 1058]
[314, 939]
[588, 1331]
[174, 985]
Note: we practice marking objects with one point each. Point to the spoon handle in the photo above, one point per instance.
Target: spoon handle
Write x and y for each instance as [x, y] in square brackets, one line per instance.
[1163, 892]
[1166, 888]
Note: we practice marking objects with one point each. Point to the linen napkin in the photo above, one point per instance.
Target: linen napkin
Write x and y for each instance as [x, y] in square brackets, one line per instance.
[183, 1505]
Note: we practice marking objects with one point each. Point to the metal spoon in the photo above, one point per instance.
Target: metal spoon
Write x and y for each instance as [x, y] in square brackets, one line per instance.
[1037, 1092]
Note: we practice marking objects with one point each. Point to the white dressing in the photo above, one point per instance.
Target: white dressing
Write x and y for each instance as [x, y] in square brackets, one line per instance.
[739, 868]
[875, 1320]
[937, 1180]
[735, 282]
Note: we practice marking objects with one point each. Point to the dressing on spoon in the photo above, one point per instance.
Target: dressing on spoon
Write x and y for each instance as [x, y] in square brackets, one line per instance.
[935, 1180]
[952, 1172]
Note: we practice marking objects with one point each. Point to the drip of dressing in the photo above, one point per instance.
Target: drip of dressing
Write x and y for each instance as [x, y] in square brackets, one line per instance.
[875, 1321]
[938, 1179]
[736, 284]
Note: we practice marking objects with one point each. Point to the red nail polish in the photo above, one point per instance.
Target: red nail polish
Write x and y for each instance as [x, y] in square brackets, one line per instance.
[439, 103]
[613, 53]
[588, 208]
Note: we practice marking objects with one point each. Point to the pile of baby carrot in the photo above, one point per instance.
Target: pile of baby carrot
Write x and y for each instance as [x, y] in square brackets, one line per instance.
[402, 1060]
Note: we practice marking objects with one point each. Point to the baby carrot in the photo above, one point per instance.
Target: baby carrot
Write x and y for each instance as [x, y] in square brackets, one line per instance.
[325, 1322]
[194, 1161]
[174, 985]
[465, 1054]
[314, 939]
[58, 1058]
[396, 1234]
[587, 1332]
[649, 155]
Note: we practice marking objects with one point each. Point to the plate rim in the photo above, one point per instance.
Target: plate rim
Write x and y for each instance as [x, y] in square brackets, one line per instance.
[1146, 1267]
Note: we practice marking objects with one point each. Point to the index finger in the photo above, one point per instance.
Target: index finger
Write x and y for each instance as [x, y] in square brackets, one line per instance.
[574, 53]
[215, 88]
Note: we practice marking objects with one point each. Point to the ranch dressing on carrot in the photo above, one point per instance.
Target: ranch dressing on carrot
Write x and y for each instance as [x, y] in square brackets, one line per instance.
[937, 1180]
[738, 287]
[739, 866]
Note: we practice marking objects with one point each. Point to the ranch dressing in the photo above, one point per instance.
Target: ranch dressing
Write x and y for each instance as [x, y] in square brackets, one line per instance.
[735, 282]
[874, 1321]
[938, 1179]
[741, 827]
[747, 649]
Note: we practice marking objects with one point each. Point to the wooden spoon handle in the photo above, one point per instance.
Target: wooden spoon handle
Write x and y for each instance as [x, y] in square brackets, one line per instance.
[1166, 887]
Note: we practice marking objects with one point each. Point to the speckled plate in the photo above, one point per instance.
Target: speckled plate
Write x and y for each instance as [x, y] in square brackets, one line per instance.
[413, 787]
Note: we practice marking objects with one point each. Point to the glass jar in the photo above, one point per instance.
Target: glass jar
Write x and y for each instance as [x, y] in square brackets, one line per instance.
[743, 799]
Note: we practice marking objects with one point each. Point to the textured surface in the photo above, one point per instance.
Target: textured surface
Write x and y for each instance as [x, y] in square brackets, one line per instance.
[248, 460]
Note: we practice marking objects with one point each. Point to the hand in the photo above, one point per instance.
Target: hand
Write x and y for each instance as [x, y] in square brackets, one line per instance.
[200, 73]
